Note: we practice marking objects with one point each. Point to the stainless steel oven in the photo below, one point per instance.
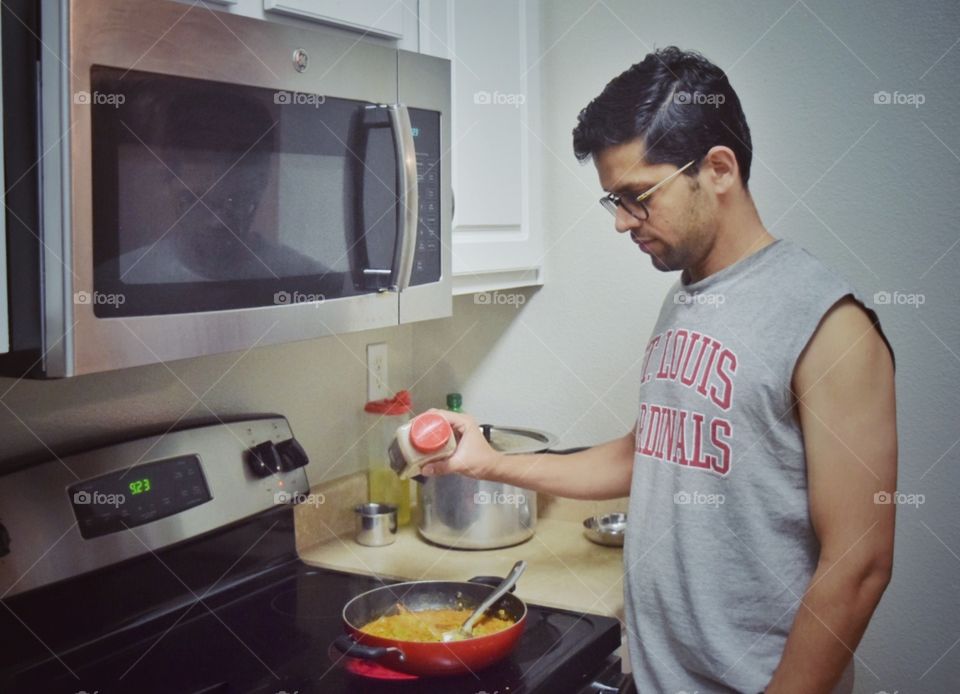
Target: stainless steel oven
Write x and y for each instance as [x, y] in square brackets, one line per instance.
[208, 183]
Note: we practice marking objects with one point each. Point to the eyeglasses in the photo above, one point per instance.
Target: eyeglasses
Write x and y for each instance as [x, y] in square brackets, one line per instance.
[636, 204]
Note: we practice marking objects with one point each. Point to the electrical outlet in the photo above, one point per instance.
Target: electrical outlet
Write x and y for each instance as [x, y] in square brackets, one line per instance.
[377, 382]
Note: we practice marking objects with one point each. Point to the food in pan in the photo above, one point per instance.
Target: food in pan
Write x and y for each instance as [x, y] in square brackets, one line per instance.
[431, 625]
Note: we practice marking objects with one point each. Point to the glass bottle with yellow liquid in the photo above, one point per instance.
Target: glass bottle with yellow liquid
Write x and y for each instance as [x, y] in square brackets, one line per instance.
[383, 484]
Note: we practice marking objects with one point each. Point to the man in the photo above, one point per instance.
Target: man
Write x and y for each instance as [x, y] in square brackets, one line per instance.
[756, 551]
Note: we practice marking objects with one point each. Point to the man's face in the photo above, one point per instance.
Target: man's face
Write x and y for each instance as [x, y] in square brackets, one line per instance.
[680, 230]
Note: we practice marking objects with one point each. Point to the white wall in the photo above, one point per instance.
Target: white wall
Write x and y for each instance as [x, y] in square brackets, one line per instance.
[319, 385]
[879, 203]
[566, 360]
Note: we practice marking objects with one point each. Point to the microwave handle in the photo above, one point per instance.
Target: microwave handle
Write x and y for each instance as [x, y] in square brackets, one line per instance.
[409, 194]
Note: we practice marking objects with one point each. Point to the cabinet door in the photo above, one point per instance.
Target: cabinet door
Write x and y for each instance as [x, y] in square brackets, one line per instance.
[379, 17]
[494, 50]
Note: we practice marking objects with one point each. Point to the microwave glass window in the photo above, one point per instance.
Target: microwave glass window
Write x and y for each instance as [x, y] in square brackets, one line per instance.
[212, 196]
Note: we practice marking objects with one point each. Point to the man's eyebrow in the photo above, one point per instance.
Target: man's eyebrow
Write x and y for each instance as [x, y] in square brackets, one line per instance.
[634, 187]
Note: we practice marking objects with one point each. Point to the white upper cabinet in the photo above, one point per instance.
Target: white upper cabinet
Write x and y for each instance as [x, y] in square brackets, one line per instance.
[379, 17]
[494, 50]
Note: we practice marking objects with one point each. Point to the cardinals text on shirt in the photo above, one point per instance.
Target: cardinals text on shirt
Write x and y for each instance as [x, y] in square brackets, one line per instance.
[693, 438]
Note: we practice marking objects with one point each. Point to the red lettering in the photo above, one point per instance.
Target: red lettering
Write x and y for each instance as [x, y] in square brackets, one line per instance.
[684, 378]
[677, 355]
[723, 398]
[702, 388]
[661, 372]
[722, 444]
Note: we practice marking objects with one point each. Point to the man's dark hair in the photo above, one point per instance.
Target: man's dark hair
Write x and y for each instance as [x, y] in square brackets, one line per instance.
[679, 102]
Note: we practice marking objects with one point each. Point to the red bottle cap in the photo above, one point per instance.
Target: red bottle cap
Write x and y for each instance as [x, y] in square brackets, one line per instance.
[429, 432]
[398, 404]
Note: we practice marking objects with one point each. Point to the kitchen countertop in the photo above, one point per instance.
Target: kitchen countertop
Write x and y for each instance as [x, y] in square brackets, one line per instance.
[564, 569]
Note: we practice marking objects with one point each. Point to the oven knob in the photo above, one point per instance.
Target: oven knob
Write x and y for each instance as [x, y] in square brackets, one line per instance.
[4, 541]
[292, 454]
[264, 459]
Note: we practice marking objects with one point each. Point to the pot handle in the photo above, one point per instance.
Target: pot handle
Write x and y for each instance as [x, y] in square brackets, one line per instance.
[346, 645]
[492, 581]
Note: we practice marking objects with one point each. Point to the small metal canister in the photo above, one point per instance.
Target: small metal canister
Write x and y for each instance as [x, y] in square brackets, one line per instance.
[376, 524]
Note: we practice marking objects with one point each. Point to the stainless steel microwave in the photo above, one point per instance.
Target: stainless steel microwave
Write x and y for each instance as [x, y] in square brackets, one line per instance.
[209, 183]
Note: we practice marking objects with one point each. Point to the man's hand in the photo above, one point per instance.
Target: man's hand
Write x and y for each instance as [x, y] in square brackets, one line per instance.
[474, 457]
[601, 472]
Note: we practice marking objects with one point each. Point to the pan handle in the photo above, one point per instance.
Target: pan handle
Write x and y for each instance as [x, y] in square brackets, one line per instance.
[346, 645]
[492, 581]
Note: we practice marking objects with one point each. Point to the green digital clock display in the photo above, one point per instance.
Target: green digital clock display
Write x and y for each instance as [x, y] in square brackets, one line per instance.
[140, 486]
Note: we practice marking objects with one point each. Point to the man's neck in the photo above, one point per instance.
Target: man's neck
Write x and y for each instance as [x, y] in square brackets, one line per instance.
[739, 236]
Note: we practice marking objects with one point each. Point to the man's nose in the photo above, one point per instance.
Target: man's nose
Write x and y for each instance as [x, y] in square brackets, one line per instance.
[624, 221]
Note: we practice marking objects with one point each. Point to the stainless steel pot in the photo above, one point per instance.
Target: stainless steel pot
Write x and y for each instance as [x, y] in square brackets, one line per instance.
[460, 512]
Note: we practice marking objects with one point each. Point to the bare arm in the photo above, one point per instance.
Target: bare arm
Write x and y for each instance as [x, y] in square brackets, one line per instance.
[601, 472]
[844, 381]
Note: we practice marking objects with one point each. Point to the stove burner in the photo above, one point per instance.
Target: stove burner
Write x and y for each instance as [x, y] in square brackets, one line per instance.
[307, 600]
[366, 668]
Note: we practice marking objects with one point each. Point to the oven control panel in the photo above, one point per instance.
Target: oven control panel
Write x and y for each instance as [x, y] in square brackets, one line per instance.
[138, 495]
[93, 509]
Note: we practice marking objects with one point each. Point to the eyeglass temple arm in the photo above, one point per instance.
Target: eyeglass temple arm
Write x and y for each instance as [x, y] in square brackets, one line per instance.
[646, 194]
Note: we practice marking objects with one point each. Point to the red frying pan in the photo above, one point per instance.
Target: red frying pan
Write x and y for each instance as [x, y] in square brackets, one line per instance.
[430, 658]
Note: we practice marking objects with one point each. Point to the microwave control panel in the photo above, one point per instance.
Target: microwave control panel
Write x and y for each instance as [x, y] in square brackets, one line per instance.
[426, 136]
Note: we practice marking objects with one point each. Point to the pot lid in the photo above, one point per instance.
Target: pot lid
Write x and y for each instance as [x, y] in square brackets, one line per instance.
[517, 439]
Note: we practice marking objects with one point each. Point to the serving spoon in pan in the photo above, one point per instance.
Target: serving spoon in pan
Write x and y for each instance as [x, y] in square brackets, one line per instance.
[466, 629]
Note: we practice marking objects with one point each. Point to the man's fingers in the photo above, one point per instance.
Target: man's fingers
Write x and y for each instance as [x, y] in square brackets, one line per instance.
[459, 422]
[437, 467]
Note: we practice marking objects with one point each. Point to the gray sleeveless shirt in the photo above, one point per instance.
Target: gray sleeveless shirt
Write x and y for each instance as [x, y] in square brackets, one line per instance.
[719, 547]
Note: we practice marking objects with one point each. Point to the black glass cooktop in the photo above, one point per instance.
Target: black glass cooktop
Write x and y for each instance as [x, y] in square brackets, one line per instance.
[130, 629]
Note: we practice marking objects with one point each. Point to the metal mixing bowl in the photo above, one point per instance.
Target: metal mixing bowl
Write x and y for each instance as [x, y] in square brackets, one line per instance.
[606, 529]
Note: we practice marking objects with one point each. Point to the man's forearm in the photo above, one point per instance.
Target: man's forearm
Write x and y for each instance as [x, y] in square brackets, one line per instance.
[827, 628]
[601, 472]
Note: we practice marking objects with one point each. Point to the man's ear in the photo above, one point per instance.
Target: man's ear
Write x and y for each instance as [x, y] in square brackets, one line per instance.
[721, 169]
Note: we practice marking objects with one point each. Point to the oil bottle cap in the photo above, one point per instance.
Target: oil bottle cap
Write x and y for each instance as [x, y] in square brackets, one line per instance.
[454, 402]
[429, 432]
